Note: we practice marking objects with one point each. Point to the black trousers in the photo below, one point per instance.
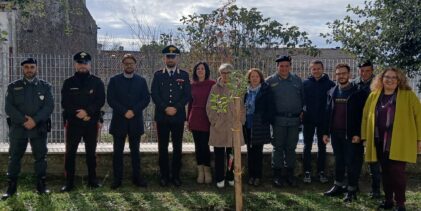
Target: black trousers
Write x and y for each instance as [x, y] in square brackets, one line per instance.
[164, 130]
[220, 161]
[255, 160]
[349, 158]
[254, 156]
[309, 130]
[118, 165]
[74, 134]
[17, 149]
[201, 145]
[376, 176]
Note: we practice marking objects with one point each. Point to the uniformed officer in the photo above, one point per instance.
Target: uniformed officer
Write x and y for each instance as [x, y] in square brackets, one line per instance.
[170, 92]
[288, 96]
[83, 96]
[128, 96]
[29, 104]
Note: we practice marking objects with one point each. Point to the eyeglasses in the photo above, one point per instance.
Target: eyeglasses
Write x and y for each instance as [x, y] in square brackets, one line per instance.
[129, 64]
[392, 78]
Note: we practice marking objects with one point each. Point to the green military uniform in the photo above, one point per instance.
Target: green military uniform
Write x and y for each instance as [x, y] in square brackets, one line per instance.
[34, 99]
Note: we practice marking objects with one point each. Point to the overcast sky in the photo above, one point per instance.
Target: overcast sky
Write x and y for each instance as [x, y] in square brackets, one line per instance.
[113, 16]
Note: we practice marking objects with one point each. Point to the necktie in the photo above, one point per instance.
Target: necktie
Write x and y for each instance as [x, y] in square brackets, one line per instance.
[171, 73]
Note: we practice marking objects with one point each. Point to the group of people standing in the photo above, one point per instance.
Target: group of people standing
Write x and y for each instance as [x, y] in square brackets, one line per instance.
[380, 112]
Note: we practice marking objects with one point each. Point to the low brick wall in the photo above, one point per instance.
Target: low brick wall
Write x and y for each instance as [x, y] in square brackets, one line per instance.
[149, 163]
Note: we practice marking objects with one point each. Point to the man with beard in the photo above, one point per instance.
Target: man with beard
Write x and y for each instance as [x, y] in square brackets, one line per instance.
[83, 95]
[343, 123]
[128, 96]
[29, 104]
[170, 92]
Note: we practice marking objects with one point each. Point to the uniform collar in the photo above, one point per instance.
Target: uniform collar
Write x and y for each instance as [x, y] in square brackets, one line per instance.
[33, 81]
[176, 70]
[289, 78]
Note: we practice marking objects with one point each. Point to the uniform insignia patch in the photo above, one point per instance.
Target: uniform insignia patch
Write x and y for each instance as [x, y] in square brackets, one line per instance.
[91, 91]
[41, 97]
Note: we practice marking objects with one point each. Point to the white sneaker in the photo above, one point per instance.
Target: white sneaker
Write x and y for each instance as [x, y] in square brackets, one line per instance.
[220, 184]
[231, 183]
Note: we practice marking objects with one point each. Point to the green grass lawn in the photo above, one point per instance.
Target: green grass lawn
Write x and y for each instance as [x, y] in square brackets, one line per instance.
[191, 197]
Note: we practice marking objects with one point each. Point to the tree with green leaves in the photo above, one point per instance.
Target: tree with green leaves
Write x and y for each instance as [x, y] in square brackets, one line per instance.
[240, 31]
[387, 32]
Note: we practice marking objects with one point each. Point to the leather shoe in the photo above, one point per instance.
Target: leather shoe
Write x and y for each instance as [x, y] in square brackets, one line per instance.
[375, 195]
[140, 183]
[94, 184]
[116, 185]
[350, 196]
[176, 181]
[163, 182]
[67, 188]
[11, 190]
[335, 191]
[400, 208]
[42, 187]
[278, 182]
[386, 205]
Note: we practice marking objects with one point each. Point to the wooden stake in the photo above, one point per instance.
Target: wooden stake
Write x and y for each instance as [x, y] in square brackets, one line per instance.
[237, 155]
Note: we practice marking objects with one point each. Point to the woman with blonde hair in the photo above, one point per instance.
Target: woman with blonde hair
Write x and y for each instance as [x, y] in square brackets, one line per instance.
[391, 127]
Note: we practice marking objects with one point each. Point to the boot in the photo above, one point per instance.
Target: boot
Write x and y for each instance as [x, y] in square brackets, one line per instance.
[208, 174]
[200, 174]
[291, 178]
[11, 189]
[350, 196]
[41, 187]
[277, 178]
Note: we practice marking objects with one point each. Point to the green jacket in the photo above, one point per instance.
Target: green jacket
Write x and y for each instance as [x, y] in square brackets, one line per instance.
[406, 127]
[32, 99]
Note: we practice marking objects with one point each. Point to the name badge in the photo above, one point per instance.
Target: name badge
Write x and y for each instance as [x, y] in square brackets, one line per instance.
[274, 84]
[74, 88]
[18, 88]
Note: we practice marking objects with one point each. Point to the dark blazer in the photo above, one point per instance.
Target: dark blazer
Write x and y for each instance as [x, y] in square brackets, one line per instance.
[354, 107]
[82, 92]
[125, 94]
[169, 91]
[32, 99]
[262, 117]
